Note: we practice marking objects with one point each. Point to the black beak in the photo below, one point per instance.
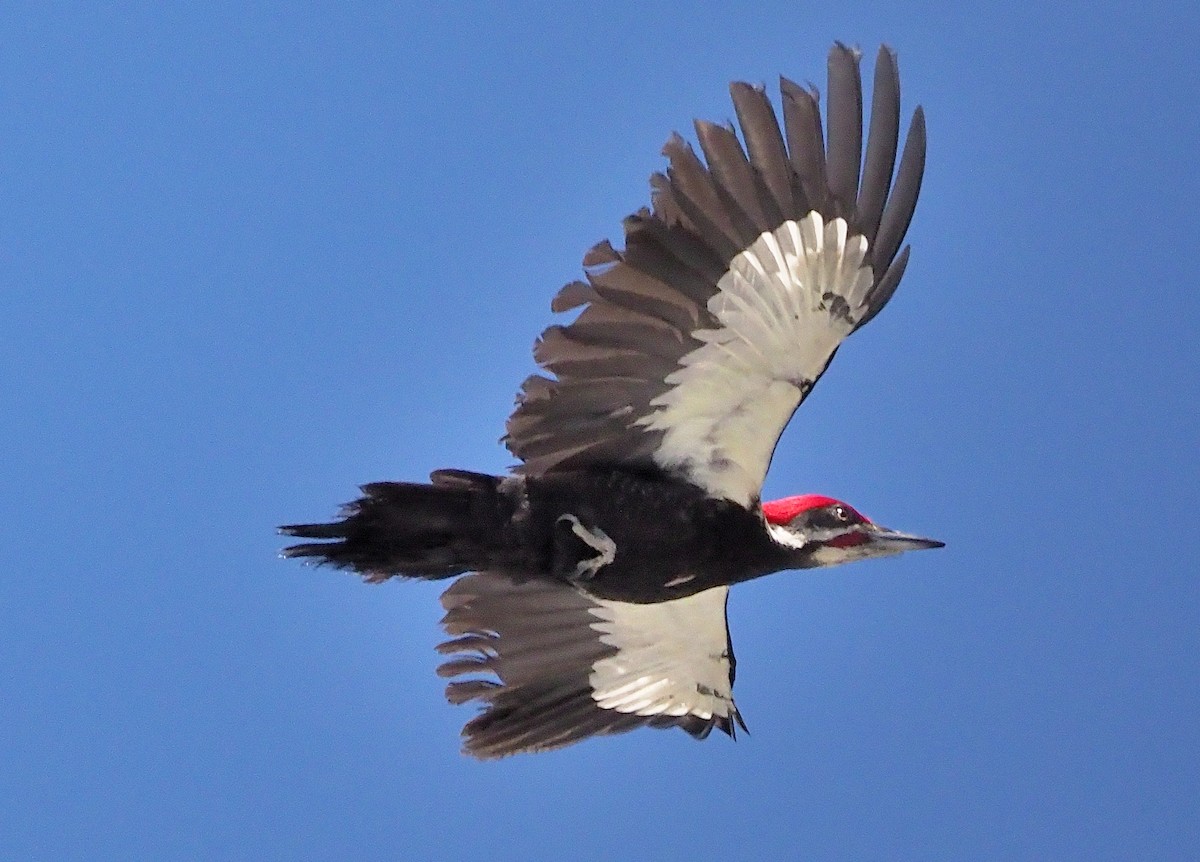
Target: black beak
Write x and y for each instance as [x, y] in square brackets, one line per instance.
[895, 542]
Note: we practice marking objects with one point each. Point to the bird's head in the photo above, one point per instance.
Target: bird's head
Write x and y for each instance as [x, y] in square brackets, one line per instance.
[826, 532]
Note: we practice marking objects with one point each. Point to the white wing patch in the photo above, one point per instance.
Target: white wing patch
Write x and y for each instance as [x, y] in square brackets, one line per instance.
[672, 657]
[784, 305]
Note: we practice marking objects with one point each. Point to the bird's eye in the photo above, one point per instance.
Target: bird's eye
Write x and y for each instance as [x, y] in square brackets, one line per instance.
[842, 514]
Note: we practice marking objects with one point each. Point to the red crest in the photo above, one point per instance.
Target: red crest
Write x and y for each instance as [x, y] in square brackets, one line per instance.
[782, 511]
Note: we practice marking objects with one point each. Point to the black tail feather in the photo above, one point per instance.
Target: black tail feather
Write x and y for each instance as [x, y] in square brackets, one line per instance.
[411, 529]
[311, 531]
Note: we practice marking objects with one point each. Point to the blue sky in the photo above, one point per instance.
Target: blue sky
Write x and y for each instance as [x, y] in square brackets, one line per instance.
[252, 255]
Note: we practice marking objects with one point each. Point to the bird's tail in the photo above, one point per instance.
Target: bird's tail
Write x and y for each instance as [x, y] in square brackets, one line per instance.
[450, 526]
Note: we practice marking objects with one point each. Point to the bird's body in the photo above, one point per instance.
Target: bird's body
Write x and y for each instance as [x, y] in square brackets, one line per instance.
[619, 534]
[602, 565]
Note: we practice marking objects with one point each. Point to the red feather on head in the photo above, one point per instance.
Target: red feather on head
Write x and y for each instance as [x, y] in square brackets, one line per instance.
[782, 511]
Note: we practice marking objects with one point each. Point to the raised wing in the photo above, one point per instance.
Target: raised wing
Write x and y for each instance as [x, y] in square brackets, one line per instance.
[554, 666]
[699, 340]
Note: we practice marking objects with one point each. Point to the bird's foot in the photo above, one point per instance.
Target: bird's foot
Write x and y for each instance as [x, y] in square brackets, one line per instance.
[590, 549]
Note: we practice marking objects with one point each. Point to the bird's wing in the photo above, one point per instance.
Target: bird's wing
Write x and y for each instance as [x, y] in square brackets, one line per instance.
[699, 340]
[553, 665]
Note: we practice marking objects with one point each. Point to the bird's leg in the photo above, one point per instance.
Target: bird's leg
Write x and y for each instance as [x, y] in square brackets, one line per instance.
[580, 552]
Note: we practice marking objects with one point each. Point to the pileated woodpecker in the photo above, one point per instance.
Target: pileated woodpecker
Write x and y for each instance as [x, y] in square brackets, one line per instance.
[602, 564]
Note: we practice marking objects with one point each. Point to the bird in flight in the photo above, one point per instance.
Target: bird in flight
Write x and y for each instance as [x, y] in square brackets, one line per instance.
[595, 575]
